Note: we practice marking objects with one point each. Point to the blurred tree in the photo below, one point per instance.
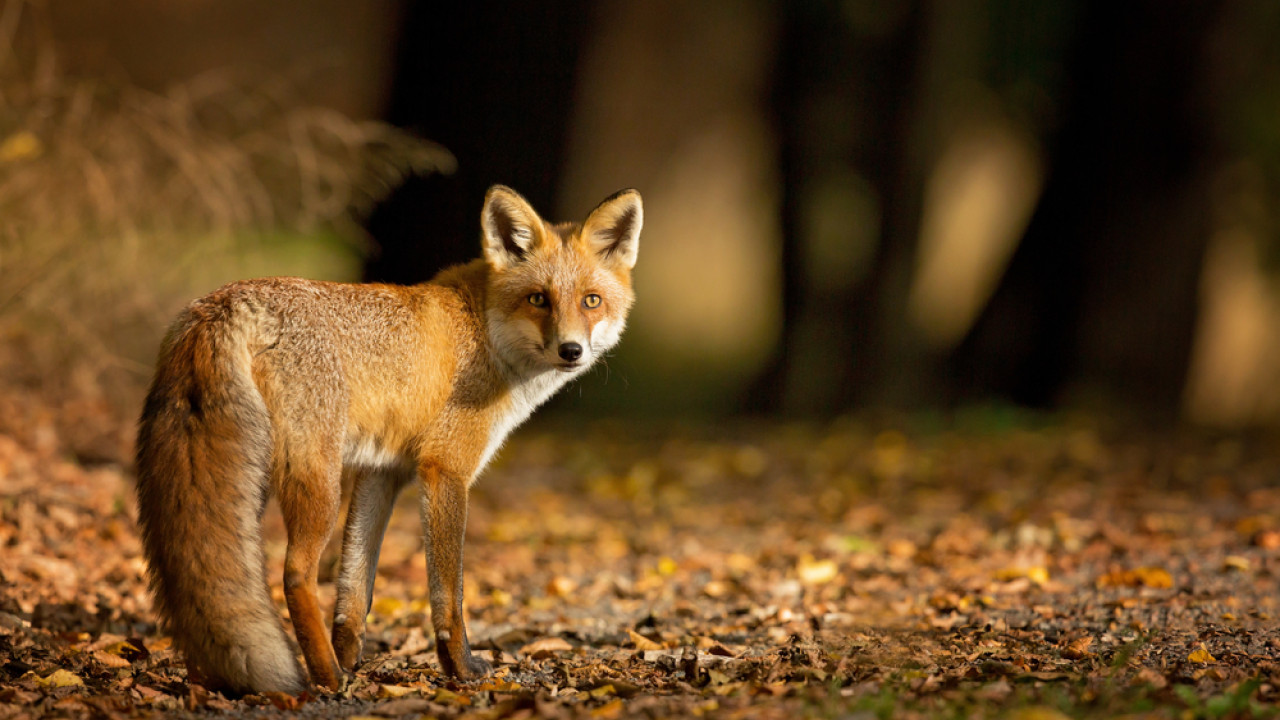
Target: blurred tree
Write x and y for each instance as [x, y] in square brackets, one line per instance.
[492, 82]
[1100, 297]
[847, 88]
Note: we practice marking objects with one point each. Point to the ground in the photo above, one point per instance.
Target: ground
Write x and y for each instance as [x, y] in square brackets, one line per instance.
[892, 567]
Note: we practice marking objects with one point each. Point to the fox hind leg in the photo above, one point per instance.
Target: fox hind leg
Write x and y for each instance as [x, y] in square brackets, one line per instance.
[373, 496]
[309, 500]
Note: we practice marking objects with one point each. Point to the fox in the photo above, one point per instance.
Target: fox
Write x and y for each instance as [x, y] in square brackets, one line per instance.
[284, 386]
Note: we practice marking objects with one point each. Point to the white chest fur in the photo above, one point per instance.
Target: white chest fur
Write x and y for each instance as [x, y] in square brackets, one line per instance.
[526, 396]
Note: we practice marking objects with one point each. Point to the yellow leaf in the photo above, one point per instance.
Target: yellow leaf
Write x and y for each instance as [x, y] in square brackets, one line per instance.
[395, 691]
[123, 648]
[59, 678]
[642, 642]
[1037, 574]
[447, 697]
[20, 146]
[387, 606]
[667, 566]
[1201, 656]
[1236, 562]
[602, 691]
[609, 710]
[496, 685]
[1036, 712]
[816, 572]
[1154, 577]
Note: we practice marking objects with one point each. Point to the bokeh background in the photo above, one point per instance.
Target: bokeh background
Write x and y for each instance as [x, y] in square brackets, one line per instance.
[918, 205]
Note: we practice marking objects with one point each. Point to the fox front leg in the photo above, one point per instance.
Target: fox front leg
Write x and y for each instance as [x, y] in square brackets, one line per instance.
[444, 520]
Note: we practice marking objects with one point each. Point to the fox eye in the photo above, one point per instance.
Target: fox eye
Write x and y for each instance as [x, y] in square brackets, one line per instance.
[538, 299]
[591, 301]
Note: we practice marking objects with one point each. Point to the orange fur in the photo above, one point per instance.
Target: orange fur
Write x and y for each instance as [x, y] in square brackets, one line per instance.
[278, 385]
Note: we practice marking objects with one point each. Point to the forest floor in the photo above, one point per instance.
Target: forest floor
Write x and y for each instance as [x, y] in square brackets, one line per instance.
[1037, 569]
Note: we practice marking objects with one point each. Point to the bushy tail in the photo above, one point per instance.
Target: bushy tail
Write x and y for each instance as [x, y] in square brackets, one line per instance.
[204, 447]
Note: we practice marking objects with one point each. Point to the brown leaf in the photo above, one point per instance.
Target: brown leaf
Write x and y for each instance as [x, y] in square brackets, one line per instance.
[643, 643]
[560, 586]
[403, 706]
[1152, 577]
[395, 691]
[545, 648]
[1079, 648]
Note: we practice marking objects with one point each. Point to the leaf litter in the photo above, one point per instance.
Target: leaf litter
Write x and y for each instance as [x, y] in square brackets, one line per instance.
[857, 568]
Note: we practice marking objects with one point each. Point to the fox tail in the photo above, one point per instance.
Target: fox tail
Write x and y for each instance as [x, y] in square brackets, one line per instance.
[203, 458]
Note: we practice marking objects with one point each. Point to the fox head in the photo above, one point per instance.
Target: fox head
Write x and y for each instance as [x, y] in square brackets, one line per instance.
[558, 295]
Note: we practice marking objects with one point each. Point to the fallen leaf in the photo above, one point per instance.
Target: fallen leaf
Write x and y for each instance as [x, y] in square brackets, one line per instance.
[448, 697]
[560, 586]
[1036, 712]
[716, 589]
[546, 647]
[816, 572]
[387, 606]
[1037, 574]
[1236, 562]
[110, 660]
[1152, 577]
[395, 691]
[609, 710]
[1078, 648]
[58, 679]
[402, 706]
[1201, 656]
[643, 643]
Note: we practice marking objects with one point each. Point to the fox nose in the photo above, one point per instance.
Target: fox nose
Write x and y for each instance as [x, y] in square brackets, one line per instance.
[570, 351]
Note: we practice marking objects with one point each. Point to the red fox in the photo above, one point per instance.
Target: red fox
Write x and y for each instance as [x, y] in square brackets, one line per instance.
[282, 384]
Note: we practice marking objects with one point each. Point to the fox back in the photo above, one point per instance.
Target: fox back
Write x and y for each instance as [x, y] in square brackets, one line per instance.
[280, 385]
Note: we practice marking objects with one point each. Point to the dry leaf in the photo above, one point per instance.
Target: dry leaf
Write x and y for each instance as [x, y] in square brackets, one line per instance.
[448, 697]
[643, 643]
[388, 606]
[816, 572]
[395, 691]
[1236, 562]
[58, 679]
[609, 710]
[560, 586]
[1078, 648]
[545, 647]
[1152, 577]
[1201, 656]
[1036, 712]
[1037, 574]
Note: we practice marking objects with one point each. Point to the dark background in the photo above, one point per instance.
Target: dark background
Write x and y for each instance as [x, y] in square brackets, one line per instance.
[849, 205]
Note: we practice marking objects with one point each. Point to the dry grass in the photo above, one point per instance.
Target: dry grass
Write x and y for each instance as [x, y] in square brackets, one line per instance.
[115, 202]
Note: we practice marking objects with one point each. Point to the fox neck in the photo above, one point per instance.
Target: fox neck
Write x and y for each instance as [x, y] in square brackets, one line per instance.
[527, 388]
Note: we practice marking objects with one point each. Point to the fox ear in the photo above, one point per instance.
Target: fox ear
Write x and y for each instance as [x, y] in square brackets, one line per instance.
[613, 228]
[508, 224]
